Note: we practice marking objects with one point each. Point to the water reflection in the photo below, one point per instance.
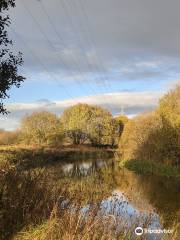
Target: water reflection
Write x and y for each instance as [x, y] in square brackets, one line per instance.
[84, 168]
[136, 199]
[126, 216]
[159, 194]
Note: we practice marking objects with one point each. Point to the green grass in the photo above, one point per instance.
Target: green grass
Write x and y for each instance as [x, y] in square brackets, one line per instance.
[150, 167]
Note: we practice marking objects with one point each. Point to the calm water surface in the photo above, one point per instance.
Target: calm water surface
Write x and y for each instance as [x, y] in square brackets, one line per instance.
[136, 200]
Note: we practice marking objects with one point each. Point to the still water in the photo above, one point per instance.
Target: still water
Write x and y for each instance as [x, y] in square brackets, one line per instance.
[149, 202]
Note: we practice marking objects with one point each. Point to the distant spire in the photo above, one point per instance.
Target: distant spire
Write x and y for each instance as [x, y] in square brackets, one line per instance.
[122, 110]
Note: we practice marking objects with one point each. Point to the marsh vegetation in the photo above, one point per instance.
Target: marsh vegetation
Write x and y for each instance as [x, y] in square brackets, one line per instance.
[84, 195]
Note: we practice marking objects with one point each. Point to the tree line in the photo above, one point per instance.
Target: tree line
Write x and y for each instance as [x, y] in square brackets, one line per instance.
[153, 136]
[79, 124]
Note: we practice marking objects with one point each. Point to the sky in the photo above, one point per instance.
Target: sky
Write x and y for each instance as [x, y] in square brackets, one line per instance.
[120, 54]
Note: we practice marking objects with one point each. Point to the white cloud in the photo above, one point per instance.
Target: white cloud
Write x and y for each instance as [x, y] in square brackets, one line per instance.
[151, 64]
[126, 99]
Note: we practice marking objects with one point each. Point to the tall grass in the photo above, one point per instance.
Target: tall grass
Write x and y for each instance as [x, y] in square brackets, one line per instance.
[68, 226]
[29, 191]
[36, 205]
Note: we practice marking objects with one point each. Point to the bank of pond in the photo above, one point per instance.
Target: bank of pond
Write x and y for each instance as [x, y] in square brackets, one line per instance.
[82, 195]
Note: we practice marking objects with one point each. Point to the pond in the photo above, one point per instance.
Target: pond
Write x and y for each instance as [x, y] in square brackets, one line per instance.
[145, 201]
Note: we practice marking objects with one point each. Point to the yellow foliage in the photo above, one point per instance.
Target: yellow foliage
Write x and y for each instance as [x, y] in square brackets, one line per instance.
[155, 136]
[41, 128]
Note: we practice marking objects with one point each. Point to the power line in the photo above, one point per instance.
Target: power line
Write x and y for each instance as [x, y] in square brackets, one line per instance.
[88, 40]
[38, 59]
[74, 28]
[87, 35]
[60, 37]
[61, 62]
[82, 4]
[90, 35]
[75, 31]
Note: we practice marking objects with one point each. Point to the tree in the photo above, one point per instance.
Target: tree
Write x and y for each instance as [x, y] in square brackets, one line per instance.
[100, 128]
[84, 122]
[9, 62]
[169, 107]
[169, 111]
[41, 128]
[75, 123]
[154, 136]
[117, 127]
[121, 121]
[135, 142]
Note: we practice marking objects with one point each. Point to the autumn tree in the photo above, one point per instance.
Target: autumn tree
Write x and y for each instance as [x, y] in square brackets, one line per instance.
[101, 127]
[135, 142]
[41, 128]
[121, 120]
[75, 123]
[117, 127]
[9, 62]
[169, 107]
[84, 122]
[169, 111]
[154, 136]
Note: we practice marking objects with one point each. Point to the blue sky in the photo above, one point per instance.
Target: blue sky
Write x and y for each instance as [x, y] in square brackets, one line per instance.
[114, 53]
